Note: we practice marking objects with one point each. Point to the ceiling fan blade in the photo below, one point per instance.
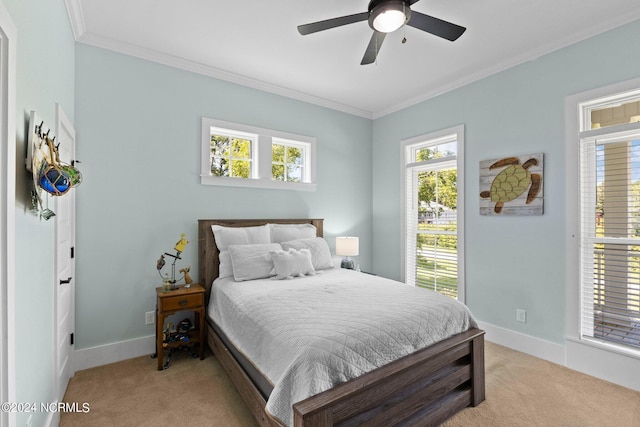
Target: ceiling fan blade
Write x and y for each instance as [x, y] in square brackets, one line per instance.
[371, 53]
[314, 27]
[435, 26]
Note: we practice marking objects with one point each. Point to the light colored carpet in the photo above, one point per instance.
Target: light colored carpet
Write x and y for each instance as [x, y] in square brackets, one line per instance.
[521, 391]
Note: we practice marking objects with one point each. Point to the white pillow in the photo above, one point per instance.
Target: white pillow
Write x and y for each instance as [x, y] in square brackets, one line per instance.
[252, 261]
[320, 253]
[292, 263]
[226, 236]
[285, 232]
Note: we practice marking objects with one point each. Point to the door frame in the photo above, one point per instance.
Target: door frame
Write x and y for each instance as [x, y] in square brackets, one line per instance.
[8, 34]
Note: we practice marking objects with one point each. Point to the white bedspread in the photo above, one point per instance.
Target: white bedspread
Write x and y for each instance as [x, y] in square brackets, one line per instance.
[308, 334]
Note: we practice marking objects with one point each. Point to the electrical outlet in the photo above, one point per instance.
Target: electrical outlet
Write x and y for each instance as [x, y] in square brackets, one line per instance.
[149, 318]
[521, 315]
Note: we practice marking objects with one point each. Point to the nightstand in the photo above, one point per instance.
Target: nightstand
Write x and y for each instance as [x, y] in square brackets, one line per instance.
[180, 299]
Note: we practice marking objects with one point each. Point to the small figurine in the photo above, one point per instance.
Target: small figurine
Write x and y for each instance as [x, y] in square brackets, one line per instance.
[187, 278]
[160, 262]
[180, 245]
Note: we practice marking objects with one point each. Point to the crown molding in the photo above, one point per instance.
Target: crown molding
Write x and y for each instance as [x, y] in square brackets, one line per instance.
[76, 18]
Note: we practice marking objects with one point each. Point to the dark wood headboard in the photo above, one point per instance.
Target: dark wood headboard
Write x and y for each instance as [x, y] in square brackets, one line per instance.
[208, 261]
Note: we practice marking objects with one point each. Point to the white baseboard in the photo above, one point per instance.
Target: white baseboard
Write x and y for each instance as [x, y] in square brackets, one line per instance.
[115, 352]
[537, 347]
[596, 361]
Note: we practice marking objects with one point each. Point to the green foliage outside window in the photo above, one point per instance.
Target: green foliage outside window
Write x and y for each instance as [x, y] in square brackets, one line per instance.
[437, 257]
[230, 156]
[287, 163]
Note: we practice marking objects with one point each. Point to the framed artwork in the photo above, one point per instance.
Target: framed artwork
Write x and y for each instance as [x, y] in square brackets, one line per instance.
[512, 185]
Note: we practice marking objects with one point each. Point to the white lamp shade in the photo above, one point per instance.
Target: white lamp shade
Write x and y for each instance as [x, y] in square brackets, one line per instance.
[347, 246]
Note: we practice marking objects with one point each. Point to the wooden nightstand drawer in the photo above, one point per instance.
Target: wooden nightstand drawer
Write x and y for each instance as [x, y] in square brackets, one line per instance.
[182, 302]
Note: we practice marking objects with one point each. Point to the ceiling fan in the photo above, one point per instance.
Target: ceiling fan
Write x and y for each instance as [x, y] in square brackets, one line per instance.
[387, 16]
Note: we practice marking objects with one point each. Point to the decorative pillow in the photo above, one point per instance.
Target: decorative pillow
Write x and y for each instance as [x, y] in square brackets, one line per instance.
[285, 232]
[252, 261]
[226, 236]
[320, 253]
[292, 263]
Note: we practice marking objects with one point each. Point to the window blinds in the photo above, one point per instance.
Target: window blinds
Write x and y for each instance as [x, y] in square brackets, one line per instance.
[610, 238]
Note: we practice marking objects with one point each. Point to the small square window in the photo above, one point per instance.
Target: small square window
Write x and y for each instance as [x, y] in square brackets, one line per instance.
[288, 161]
[230, 156]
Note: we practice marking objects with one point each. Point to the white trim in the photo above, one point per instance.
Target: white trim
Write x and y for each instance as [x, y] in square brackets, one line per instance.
[584, 355]
[537, 347]
[614, 367]
[76, 18]
[600, 362]
[87, 358]
[8, 46]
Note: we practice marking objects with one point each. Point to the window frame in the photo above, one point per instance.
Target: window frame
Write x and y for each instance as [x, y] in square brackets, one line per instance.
[261, 157]
[302, 146]
[587, 354]
[589, 140]
[409, 148]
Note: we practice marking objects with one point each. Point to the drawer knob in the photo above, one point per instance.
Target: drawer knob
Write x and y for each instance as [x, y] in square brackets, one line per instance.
[183, 302]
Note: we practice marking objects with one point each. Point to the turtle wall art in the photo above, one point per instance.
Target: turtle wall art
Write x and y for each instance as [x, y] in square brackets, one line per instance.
[512, 185]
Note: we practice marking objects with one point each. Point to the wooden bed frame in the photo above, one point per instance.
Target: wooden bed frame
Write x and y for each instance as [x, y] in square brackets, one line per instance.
[424, 388]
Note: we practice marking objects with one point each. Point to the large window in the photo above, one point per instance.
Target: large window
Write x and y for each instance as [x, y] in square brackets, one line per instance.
[434, 205]
[247, 156]
[610, 219]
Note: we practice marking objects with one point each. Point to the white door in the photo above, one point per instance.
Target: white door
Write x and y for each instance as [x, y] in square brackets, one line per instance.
[64, 294]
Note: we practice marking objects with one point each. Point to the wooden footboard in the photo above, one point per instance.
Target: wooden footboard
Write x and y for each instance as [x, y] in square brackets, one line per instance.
[424, 388]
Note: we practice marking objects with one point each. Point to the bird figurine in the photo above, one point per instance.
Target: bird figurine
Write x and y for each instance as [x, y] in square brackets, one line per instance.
[180, 245]
[160, 263]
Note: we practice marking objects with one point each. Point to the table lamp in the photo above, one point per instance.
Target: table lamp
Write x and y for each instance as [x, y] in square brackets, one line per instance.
[347, 247]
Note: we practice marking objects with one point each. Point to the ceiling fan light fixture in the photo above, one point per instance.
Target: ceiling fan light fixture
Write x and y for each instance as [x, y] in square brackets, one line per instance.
[390, 15]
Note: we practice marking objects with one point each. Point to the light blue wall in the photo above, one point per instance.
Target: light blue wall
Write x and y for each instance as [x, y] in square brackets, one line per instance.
[45, 75]
[138, 131]
[511, 262]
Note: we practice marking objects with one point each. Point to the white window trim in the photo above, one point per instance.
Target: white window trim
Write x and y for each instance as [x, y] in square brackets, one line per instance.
[261, 159]
[405, 162]
[585, 355]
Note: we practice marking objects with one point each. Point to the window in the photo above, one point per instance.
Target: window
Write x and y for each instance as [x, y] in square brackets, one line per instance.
[231, 154]
[610, 220]
[288, 161]
[433, 212]
[247, 156]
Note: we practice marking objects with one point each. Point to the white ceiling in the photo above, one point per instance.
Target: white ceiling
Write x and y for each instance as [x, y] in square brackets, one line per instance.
[256, 43]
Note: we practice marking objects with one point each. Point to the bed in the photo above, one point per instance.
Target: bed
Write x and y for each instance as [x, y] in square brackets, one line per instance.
[424, 387]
